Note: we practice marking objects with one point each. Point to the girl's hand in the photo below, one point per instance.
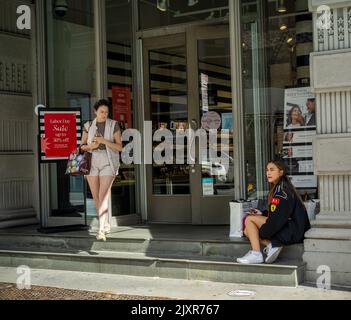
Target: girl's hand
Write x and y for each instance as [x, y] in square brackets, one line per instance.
[93, 146]
[255, 212]
[99, 140]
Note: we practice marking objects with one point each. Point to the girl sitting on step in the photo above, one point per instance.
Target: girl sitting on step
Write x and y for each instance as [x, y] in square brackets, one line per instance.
[284, 223]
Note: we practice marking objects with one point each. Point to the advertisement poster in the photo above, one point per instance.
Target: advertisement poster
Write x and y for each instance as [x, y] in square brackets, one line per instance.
[207, 186]
[304, 182]
[227, 121]
[299, 166]
[299, 109]
[122, 106]
[60, 133]
[299, 132]
[204, 92]
[298, 137]
[298, 152]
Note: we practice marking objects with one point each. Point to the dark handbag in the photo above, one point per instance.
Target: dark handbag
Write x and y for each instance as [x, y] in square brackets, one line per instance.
[79, 163]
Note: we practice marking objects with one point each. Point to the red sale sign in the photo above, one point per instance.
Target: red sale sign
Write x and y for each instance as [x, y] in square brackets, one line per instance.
[122, 106]
[58, 136]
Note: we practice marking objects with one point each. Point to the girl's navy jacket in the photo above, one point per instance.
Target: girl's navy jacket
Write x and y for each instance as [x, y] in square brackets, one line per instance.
[287, 220]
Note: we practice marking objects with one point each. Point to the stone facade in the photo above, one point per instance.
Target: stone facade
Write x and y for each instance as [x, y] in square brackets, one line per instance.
[328, 243]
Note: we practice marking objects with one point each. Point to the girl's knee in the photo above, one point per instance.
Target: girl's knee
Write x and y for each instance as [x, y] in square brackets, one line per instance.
[249, 219]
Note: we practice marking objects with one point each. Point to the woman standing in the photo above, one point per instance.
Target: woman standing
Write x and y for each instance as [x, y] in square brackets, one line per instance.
[284, 223]
[102, 137]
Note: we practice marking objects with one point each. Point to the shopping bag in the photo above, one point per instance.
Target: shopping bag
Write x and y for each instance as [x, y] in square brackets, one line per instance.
[238, 212]
[311, 207]
[79, 163]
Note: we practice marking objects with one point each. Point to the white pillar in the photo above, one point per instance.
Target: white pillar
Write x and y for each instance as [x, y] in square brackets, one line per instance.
[328, 243]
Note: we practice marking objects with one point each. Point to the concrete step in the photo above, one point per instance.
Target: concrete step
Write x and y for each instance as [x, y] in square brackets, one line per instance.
[286, 273]
[217, 249]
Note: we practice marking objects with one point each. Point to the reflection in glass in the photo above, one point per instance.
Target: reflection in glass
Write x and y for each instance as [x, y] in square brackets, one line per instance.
[168, 92]
[158, 13]
[216, 114]
[277, 41]
[120, 81]
[71, 67]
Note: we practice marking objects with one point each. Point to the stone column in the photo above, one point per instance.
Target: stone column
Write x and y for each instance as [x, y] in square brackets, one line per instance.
[328, 243]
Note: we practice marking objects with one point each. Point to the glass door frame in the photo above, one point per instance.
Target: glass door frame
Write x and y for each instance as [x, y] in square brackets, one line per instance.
[195, 201]
[204, 208]
[41, 96]
[176, 206]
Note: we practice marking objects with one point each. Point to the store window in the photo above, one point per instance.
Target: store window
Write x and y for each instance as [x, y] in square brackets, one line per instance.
[71, 83]
[120, 91]
[159, 13]
[279, 108]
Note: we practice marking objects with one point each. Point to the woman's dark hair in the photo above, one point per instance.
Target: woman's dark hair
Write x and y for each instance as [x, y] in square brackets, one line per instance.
[284, 182]
[295, 106]
[100, 103]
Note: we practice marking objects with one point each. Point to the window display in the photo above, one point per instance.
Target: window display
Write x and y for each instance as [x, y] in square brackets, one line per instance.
[279, 108]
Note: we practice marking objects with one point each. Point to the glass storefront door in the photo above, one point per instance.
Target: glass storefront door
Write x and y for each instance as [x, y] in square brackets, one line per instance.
[71, 84]
[213, 177]
[187, 85]
[166, 105]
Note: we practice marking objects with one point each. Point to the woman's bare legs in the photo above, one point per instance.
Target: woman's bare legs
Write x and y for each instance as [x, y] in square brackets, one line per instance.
[253, 225]
[94, 185]
[104, 191]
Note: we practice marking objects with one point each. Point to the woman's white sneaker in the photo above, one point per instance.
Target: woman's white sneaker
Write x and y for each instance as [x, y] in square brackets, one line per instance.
[273, 254]
[252, 257]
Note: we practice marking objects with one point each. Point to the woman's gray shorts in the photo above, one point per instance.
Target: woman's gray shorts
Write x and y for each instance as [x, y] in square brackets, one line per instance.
[100, 166]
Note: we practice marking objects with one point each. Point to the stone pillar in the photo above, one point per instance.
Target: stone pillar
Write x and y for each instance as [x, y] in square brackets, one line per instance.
[328, 243]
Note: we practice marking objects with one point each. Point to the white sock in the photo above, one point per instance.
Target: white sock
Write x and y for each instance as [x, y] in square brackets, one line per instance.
[257, 253]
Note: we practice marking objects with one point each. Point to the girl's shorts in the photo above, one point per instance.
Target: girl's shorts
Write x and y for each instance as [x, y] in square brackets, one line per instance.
[100, 166]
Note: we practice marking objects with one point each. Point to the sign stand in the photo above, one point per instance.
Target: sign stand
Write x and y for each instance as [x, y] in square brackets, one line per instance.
[64, 228]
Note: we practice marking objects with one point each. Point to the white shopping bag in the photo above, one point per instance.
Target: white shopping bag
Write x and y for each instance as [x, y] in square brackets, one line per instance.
[311, 207]
[238, 212]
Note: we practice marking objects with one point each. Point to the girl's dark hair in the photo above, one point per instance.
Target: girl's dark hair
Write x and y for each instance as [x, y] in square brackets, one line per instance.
[284, 181]
[100, 103]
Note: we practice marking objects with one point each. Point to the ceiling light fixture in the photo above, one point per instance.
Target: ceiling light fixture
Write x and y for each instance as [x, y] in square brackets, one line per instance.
[192, 3]
[281, 7]
[283, 27]
[162, 5]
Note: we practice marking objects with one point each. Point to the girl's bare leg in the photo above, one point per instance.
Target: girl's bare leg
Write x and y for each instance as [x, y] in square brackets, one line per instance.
[253, 225]
[104, 191]
[94, 185]
[265, 242]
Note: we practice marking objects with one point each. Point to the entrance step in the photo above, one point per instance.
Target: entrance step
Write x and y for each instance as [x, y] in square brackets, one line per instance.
[177, 248]
[287, 273]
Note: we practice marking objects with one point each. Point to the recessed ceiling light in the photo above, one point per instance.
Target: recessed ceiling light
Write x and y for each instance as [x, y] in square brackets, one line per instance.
[192, 2]
[283, 27]
[281, 7]
[162, 5]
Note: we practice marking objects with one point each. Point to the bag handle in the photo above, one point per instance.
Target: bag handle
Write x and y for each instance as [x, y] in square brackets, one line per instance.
[80, 147]
[306, 197]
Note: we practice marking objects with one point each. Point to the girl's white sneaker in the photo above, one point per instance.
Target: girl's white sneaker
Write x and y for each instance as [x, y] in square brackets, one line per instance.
[252, 257]
[273, 254]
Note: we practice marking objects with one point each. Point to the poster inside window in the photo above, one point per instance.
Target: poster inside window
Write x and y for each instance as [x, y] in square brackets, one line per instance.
[299, 130]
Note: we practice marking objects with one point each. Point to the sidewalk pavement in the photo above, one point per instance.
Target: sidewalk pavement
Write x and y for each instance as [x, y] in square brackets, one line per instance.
[156, 288]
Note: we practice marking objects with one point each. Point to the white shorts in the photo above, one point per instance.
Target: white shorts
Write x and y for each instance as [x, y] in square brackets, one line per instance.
[100, 166]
